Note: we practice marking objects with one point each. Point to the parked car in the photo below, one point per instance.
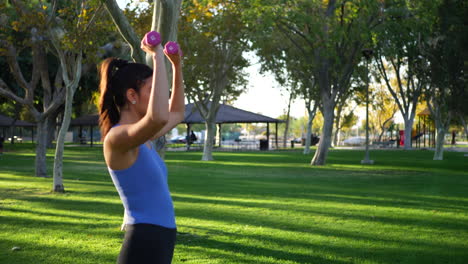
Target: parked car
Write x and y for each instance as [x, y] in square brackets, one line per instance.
[179, 139]
[354, 141]
[297, 140]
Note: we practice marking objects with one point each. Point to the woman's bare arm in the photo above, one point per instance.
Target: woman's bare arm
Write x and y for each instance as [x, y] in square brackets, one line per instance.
[126, 137]
[177, 102]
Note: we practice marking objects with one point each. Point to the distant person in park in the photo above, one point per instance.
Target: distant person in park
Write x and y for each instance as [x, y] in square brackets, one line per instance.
[193, 137]
[134, 110]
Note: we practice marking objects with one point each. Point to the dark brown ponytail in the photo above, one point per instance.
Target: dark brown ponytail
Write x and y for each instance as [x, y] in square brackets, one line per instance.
[117, 76]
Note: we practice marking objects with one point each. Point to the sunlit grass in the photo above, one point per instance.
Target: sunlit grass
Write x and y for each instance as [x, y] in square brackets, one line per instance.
[253, 207]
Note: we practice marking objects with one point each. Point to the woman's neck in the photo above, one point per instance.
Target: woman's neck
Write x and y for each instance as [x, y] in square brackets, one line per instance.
[128, 117]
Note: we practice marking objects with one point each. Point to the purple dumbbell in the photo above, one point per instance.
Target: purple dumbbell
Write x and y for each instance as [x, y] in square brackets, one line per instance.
[172, 47]
[152, 38]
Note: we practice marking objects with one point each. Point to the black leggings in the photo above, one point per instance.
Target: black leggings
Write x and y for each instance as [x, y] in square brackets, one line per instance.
[147, 244]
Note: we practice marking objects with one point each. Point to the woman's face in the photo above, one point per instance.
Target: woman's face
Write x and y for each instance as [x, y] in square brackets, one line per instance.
[144, 95]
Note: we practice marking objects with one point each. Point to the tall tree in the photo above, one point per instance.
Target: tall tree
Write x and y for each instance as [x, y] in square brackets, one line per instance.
[280, 55]
[383, 111]
[330, 36]
[348, 101]
[444, 67]
[70, 40]
[405, 28]
[214, 37]
[23, 31]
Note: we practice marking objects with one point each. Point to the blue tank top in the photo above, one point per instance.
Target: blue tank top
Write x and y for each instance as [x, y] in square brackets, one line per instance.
[144, 191]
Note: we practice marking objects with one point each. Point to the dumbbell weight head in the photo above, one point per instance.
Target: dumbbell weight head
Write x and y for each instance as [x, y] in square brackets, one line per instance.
[152, 38]
[172, 47]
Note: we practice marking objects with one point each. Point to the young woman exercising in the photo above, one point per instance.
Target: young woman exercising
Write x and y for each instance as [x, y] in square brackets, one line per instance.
[134, 109]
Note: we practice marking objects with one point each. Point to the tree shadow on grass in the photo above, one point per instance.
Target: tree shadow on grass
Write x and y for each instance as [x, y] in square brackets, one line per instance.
[33, 252]
[420, 253]
[415, 160]
[233, 250]
[54, 201]
[382, 189]
[39, 214]
[105, 229]
[290, 224]
[437, 222]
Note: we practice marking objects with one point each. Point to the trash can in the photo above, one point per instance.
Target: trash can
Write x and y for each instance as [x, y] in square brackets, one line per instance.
[263, 144]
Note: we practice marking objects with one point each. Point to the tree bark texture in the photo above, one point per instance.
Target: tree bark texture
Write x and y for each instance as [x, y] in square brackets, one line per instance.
[337, 124]
[439, 144]
[209, 140]
[71, 80]
[464, 124]
[442, 117]
[310, 121]
[286, 129]
[41, 148]
[126, 30]
[408, 132]
[325, 138]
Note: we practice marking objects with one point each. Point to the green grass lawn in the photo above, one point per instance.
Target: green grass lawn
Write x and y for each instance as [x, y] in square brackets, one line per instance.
[250, 207]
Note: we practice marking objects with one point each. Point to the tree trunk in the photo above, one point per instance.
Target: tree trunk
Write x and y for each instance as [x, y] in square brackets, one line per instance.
[380, 135]
[337, 124]
[309, 129]
[465, 127]
[52, 126]
[308, 135]
[337, 131]
[337, 137]
[439, 144]
[408, 132]
[325, 138]
[41, 150]
[209, 136]
[165, 19]
[58, 161]
[286, 129]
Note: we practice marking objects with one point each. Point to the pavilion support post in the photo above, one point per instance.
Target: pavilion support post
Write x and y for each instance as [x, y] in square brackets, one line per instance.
[32, 134]
[80, 135]
[268, 135]
[276, 134]
[220, 138]
[12, 134]
[91, 128]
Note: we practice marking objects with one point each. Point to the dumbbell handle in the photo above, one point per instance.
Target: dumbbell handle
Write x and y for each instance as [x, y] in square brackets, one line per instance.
[152, 38]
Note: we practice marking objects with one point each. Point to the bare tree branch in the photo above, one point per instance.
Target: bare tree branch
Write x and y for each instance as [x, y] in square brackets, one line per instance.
[5, 91]
[14, 66]
[126, 30]
[383, 73]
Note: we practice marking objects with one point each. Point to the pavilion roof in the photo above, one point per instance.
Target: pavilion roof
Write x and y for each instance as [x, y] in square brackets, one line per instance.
[6, 121]
[226, 114]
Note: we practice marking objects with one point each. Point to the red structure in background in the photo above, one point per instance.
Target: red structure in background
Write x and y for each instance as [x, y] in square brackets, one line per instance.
[402, 138]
